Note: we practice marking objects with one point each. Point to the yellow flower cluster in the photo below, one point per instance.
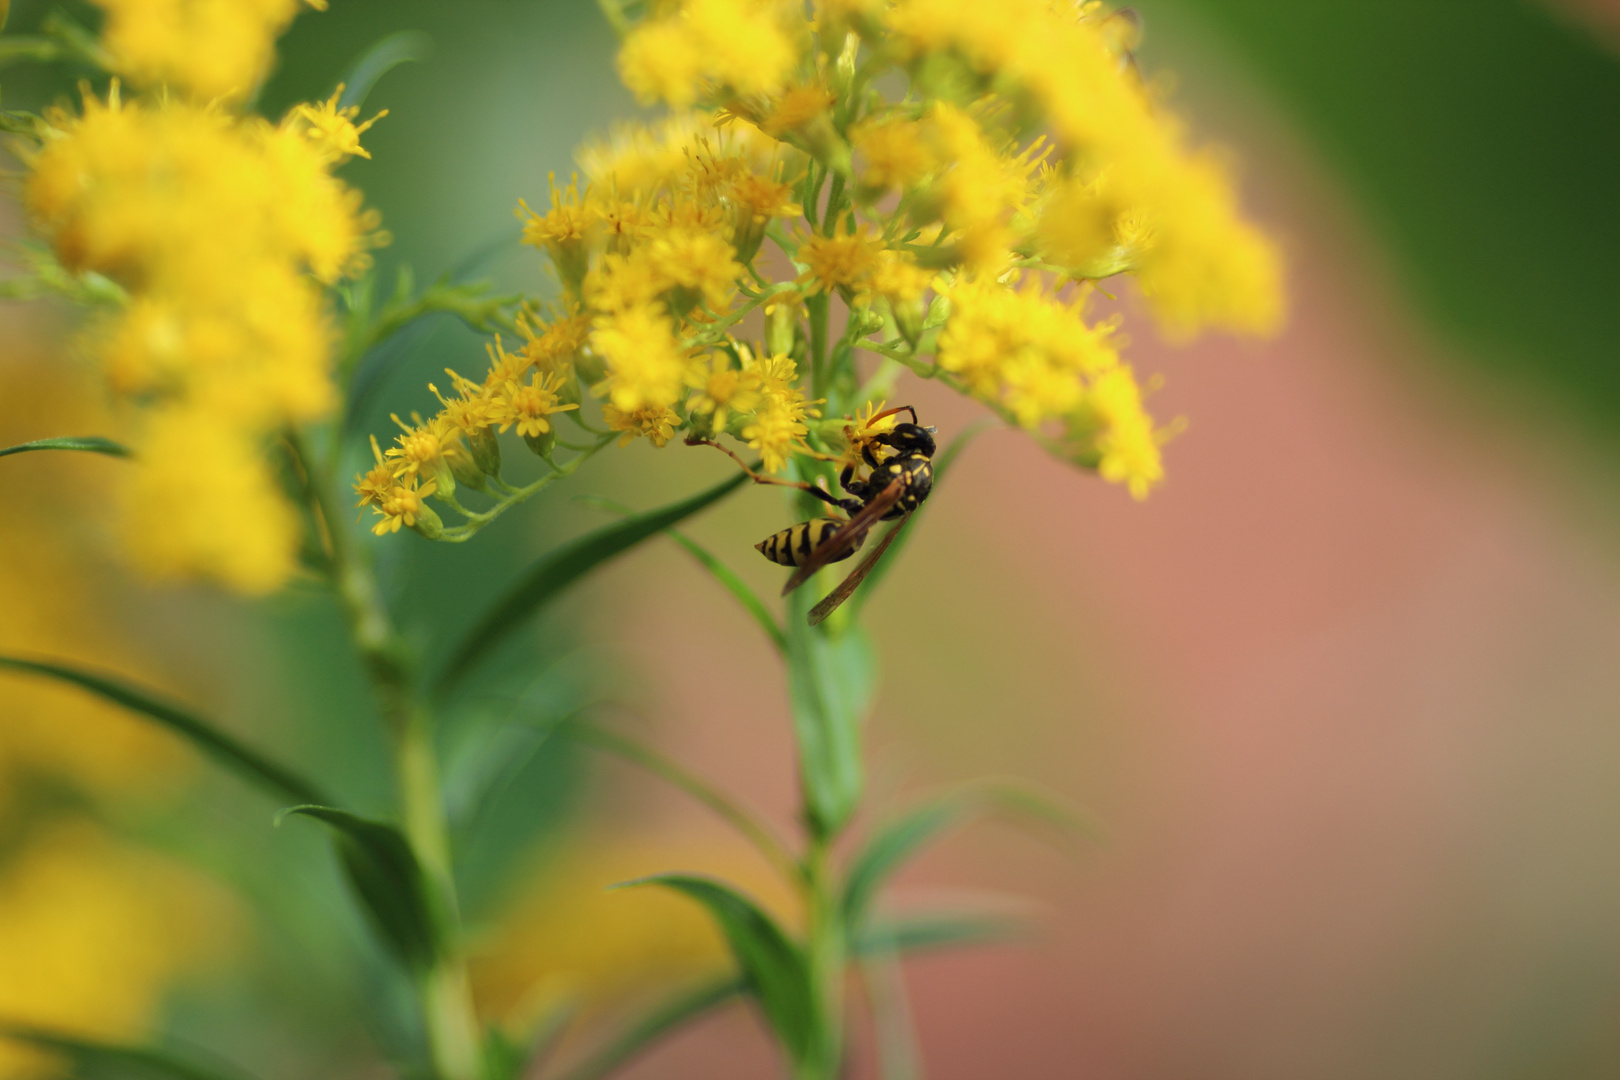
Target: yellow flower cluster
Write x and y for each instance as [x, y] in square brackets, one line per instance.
[1123, 192]
[205, 49]
[962, 224]
[521, 390]
[222, 230]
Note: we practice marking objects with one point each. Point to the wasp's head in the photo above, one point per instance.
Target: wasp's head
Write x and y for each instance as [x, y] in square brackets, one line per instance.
[912, 439]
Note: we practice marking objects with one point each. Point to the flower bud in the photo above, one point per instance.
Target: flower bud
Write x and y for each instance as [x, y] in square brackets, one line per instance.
[908, 318]
[486, 450]
[543, 443]
[781, 326]
[444, 477]
[827, 146]
[428, 524]
[747, 233]
[590, 367]
[568, 390]
[464, 468]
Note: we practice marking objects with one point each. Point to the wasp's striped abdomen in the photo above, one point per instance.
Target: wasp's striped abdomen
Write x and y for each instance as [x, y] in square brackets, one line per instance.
[793, 545]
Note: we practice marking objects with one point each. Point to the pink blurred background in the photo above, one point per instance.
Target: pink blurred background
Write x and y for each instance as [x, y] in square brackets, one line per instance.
[1341, 694]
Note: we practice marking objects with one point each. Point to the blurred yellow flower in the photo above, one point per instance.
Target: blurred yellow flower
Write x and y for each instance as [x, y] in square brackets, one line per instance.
[221, 228]
[207, 49]
[568, 939]
[92, 934]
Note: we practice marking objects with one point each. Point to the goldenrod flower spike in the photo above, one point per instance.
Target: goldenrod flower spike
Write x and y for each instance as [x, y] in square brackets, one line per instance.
[331, 129]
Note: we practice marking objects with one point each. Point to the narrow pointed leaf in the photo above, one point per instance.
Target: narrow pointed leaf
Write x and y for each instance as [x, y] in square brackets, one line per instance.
[830, 683]
[942, 467]
[91, 1058]
[735, 586]
[404, 47]
[679, 1010]
[388, 881]
[920, 933]
[775, 968]
[254, 766]
[560, 568]
[93, 444]
[738, 816]
[722, 573]
[894, 844]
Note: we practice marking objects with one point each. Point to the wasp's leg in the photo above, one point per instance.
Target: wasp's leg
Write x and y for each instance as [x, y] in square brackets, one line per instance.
[861, 489]
[849, 506]
[756, 477]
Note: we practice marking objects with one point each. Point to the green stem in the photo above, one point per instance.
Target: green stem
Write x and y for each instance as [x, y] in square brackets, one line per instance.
[835, 208]
[716, 330]
[826, 952]
[458, 534]
[818, 306]
[444, 990]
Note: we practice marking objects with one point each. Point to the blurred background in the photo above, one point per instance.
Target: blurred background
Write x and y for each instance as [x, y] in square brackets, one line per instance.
[1343, 695]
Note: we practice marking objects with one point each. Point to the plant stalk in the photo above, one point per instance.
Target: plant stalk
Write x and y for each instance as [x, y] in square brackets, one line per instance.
[826, 954]
[444, 990]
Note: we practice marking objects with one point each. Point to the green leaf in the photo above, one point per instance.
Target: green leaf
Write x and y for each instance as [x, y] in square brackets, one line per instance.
[830, 682]
[388, 880]
[775, 968]
[739, 817]
[250, 764]
[94, 444]
[404, 47]
[555, 571]
[682, 1008]
[944, 930]
[18, 48]
[502, 1058]
[894, 844]
[942, 466]
[90, 1058]
[721, 572]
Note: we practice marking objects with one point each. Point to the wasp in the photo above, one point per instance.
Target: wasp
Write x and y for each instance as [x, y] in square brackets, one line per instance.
[900, 476]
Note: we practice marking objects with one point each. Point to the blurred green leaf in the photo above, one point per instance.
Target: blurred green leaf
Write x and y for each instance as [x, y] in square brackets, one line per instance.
[93, 444]
[745, 822]
[722, 573]
[1480, 140]
[775, 968]
[830, 683]
[89, 1059]
[503, 1059]
[250, 764]
[388, 880]
[942, 467]
[472, 302]
[403, 47]
[679, 1010]
[481, 776]
[19, 48]
[941, 930]
[895, 843]
[555, 571]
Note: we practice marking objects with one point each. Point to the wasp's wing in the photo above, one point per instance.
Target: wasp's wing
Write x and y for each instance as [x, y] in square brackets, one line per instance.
[847, 587]
[844, 539]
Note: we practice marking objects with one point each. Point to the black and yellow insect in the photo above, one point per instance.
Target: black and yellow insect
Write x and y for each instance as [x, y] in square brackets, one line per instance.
[794, 545]
[900, 478]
